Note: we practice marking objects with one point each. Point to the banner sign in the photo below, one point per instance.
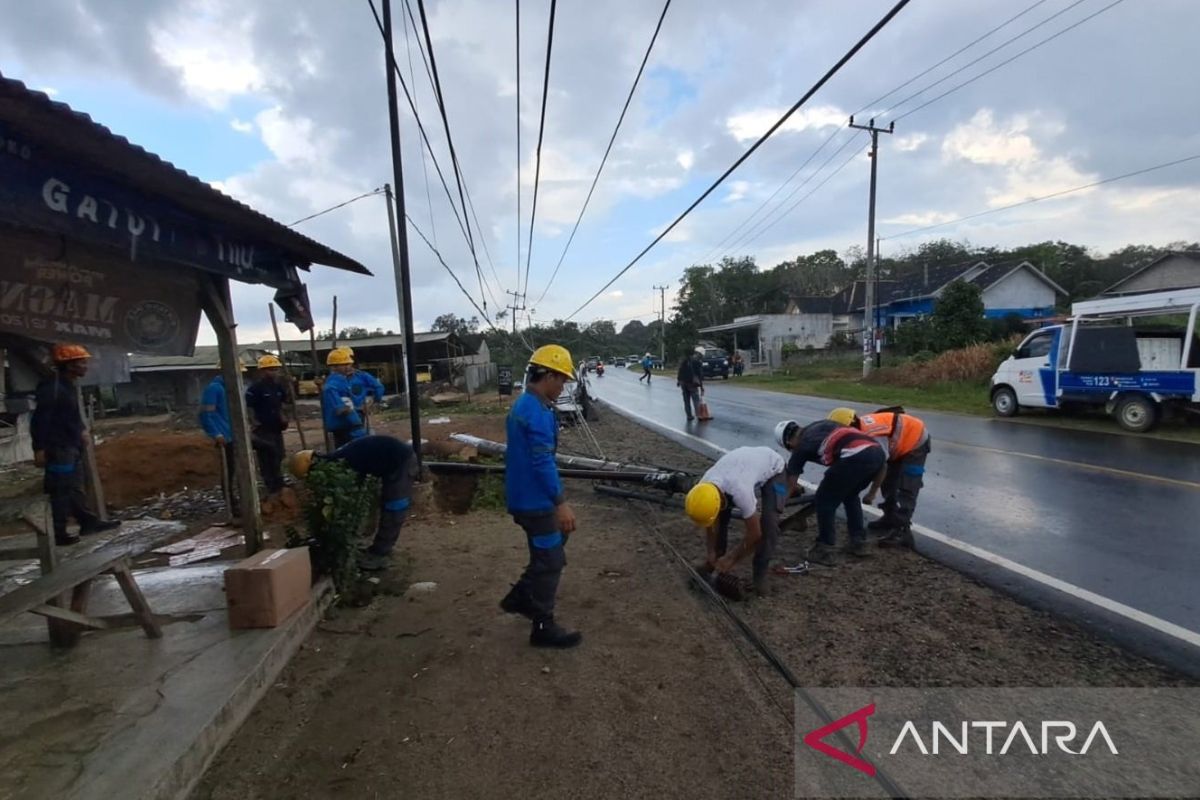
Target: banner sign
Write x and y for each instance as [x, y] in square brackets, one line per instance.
[53, 295]
[39, 192]
[505, 378]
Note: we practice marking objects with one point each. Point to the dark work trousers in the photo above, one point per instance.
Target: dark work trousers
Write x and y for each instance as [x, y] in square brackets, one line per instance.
[547, 557]
[231, 500]
[344, 436]
[844, 481]
[691, 401]
[772, 498]
[394, 497]
[268, 449]
[645, 374]
[64, 483]
[903, 483]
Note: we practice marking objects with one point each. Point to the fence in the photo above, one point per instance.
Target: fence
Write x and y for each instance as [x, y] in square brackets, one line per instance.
[478, 376]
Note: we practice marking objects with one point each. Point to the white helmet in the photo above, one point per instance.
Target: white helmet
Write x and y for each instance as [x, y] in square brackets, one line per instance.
[784, 431]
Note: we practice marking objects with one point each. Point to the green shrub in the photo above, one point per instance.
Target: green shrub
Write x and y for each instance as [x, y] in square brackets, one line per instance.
[338, 508]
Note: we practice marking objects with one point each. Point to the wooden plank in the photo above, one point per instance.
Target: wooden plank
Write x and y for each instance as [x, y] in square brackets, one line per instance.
[137, 601]
[20, 554]
[66, 615]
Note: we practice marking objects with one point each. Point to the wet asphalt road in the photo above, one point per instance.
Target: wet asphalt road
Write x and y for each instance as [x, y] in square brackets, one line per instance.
[1112, 514]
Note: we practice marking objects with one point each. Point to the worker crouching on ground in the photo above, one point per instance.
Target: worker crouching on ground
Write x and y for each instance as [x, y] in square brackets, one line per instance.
[266, 398]
[853, 461]
[58, 444]
[534, 494]
[395, 464]
[906, 441]
[214, 420]
[749, 483]
[337, 399]
[690, 380]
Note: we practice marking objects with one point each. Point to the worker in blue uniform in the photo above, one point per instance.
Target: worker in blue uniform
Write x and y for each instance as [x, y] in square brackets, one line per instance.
[58, 444]
[395, 464]
[341, 418]
[534, 494]
[214, 419]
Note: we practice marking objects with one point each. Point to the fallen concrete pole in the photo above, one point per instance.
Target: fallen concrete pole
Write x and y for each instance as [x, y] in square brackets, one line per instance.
[491, 448]
[666, 481]
[634, 494]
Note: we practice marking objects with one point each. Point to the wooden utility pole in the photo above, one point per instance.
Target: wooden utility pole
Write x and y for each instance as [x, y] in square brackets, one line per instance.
[517, 298]
[869, 343]
[410, 379]
[662, 320]
[287, 376]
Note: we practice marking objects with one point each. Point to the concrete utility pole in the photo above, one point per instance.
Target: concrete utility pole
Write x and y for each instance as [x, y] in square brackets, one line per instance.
[662, 319]
[387, 191]
[869, 344]
[514, 308]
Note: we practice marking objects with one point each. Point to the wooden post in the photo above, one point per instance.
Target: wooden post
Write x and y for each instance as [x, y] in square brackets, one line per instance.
[334, 345]
[219, 309]
[312, 343]
[287, 375]
[95, 491]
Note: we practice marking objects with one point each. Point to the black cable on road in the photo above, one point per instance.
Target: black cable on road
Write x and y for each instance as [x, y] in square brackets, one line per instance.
[815, 88]
[537, 173]
[607, 150]
[780, 666]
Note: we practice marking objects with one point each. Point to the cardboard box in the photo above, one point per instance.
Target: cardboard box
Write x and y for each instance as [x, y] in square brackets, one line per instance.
[266, 588]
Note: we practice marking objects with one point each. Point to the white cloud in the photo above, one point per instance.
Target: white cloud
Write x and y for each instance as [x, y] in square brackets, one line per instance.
[907, 144]
[241, 126]
[686, 159]
[753, 124]
[617, 293]
[49, 90]
[982, 141]
[919, 219]
[213, 53]
[737, 191]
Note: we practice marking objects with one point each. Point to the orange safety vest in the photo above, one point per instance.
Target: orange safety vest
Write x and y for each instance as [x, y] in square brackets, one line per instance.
[900, 433]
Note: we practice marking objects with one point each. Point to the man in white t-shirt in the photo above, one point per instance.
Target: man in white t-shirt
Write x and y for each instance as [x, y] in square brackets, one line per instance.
[749, 483]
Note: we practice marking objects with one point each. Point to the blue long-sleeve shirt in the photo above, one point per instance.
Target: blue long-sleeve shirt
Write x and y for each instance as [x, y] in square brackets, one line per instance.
[531, 481]
[334, 394]
[362, 384]
[214, 410]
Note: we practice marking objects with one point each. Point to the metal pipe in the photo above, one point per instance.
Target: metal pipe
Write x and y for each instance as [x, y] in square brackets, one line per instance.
[633, 494]
[1187, 341]
[669, 481]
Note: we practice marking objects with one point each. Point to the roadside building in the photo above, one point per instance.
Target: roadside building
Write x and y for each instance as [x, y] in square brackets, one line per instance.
[1179, 269]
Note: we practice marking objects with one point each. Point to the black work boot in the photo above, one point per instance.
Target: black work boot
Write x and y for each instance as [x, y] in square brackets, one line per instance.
[98, 525]
[900, 537]
[517, 601]
[858, 548]
[548, 633]
[65, 539]
[883, 525]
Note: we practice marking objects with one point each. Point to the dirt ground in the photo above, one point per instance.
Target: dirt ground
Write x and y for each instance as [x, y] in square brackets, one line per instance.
[138, 465]
[437, 694]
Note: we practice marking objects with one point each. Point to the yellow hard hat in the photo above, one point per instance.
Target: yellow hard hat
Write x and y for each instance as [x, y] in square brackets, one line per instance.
[300, 463]
[347, 348]
[338, 357]
[268, 362]
[703, 504]
[842, 416]
[553, 357]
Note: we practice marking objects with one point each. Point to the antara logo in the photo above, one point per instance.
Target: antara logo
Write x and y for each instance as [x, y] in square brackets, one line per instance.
[1012, 735]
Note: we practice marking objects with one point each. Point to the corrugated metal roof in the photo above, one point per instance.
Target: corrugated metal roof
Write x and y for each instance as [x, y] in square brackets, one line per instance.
[394, 340]
[35, 115]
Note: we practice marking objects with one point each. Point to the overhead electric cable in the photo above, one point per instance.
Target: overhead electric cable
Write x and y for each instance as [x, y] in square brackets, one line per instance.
[537, 170]
[1050, 196]
[442, 261]
[607, 150]
[336, 207]
[779, 123]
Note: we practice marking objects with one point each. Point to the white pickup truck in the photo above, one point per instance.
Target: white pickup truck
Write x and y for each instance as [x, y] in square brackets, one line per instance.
[1099, 358]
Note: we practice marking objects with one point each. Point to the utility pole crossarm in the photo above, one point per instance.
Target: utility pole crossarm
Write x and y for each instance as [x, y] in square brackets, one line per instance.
[869, 338]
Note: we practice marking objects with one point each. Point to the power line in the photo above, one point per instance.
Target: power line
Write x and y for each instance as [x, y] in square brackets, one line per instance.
[441, 101]
[537, 173]
[428, 145]
[813, 90]
[607, 150]
[442, 261]
[335, 208]
[1050, 196]
[412, 76]
[1011, 59]
[718, 249]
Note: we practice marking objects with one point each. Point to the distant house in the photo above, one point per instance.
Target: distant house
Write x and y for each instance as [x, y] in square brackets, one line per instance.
[1007, 288]
[1178, 269]
[808, 323]
[173, 382]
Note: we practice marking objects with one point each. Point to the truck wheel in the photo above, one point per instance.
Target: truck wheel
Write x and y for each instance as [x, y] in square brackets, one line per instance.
[1136, 413]
[1004, 402]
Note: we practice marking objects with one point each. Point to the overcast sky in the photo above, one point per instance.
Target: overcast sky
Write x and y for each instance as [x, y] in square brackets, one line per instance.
[282, 104]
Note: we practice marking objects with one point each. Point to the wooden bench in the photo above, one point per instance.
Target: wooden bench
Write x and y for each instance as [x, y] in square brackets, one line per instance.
[62, 594]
